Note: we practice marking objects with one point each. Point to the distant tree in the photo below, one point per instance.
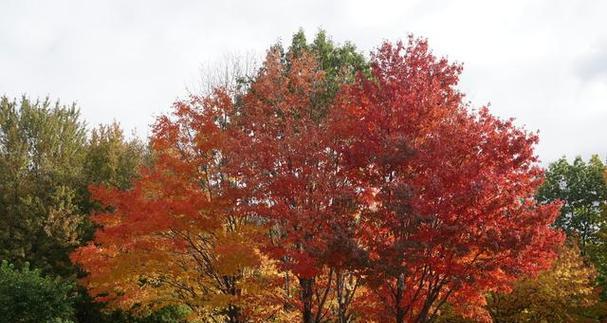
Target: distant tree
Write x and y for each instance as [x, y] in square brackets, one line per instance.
[339, 63]
[565, 293]
[583, 189]
[29, 297]
[111, 159]
[42, 149]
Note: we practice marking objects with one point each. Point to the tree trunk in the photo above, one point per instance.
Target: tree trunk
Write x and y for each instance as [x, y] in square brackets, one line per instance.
[400, 289]
[341, 306]
[234, 314]
[307, 285]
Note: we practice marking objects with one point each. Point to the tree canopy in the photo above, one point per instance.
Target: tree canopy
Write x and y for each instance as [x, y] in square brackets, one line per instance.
[326, 189]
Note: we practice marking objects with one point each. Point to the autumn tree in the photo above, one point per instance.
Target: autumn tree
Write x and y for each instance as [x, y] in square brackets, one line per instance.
[447, 207]
[374, 190]
[114, 160]
[564, 293]
[290, 174]
[176, 237]
[282, 166]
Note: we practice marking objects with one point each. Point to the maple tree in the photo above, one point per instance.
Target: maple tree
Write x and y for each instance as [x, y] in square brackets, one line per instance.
[290, 175]
[175, 237]
[450, 210]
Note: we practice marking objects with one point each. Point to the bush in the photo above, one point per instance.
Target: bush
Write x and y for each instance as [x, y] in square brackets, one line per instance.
[28, 296]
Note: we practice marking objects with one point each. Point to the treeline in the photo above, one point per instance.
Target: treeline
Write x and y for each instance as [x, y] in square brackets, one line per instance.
[48, 159]
[322, 187]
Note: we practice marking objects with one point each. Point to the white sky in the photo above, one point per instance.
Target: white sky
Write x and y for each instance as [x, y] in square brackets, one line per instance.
[541, 62]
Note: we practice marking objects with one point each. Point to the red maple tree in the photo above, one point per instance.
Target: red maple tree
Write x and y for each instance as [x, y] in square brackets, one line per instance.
[292, 178]
[448, 210]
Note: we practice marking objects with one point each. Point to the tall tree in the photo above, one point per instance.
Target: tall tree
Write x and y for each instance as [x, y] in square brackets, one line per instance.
[285, 158]
[42, 148]
[448, 209]
[282, 161]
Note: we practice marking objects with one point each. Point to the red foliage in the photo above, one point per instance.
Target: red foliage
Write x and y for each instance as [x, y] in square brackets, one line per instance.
[397, 183]
[291, 176]
[449, 212]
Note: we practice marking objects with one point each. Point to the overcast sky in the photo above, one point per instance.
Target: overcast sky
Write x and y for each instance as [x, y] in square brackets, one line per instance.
[541, 62]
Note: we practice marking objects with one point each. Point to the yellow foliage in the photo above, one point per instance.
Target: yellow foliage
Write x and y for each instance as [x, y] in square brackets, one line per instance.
[560, 294]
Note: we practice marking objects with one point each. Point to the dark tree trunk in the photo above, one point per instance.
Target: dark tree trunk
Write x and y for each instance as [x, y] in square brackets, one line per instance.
[234, 314]
[400, 289]
[307, 287]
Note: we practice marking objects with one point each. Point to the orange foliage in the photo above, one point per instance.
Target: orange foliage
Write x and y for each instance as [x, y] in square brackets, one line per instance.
[177, 237]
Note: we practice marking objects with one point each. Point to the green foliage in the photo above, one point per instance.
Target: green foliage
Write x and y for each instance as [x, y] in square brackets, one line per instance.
[167, 314]
[583, 189]
[111, 159]
[27, 296]
[46, 165]
[339, 62]
[96, 314]
[42, 149]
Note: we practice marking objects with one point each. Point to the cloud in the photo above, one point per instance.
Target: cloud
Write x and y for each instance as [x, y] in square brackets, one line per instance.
[593, 67]
[129, 60]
